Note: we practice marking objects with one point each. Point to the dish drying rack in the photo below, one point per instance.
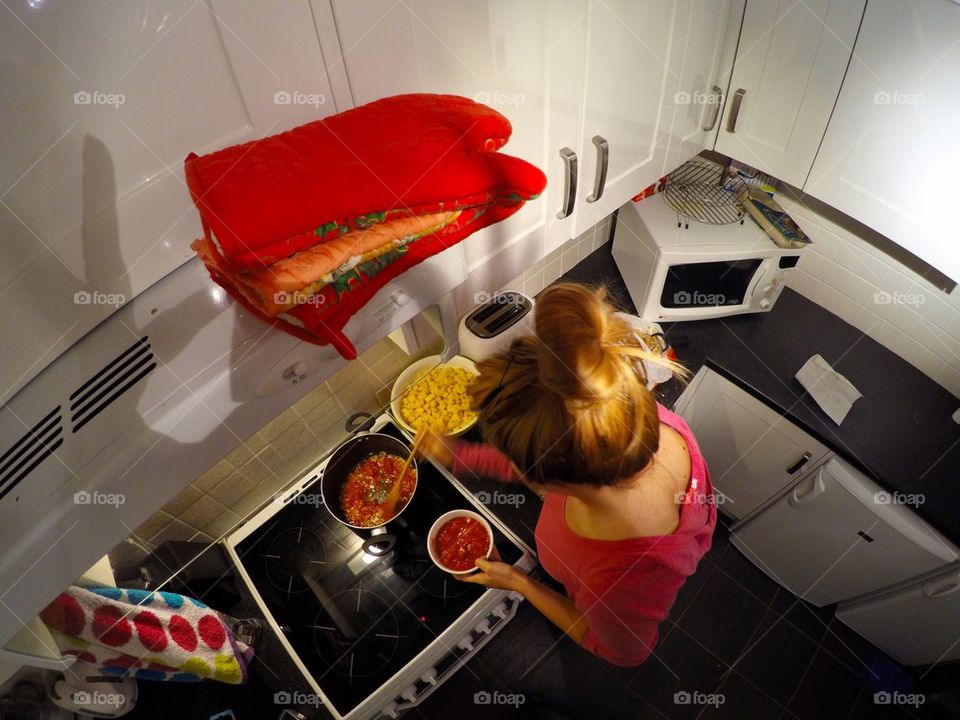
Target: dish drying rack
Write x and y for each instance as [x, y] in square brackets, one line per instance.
[702, 191]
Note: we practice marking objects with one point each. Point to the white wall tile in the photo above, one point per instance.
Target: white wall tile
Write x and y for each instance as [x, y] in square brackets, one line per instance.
[870, 268]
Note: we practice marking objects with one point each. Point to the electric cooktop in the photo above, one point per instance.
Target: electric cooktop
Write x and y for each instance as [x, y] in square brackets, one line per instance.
[355, 619]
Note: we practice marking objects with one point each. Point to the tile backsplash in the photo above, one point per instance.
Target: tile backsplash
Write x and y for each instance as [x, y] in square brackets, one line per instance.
[878, 295]
[287, 446]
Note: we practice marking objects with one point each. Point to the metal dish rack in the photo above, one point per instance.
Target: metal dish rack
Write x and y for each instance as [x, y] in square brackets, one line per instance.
[702, 191]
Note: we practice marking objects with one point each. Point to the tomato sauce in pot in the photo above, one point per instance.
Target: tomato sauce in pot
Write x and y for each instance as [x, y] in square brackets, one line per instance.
[368, 485]
[459, 542]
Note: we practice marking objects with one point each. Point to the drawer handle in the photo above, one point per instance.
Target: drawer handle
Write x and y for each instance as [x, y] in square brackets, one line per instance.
[717, 99]
[735, 110]
[817, 487]
[935, 592]
[569, 158]
[795, 468]
[603, 158]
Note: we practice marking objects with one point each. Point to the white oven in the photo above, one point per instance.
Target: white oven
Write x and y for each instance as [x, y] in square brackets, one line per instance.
[676, 269]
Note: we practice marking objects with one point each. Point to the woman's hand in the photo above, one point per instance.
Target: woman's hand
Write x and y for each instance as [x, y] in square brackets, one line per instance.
[434, 447]
[496, 574]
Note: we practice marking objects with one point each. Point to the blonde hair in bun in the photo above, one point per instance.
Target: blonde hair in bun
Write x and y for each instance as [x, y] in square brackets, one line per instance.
[570, 403]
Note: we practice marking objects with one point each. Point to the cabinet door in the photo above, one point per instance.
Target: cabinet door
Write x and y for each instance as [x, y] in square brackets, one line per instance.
[627, 101]
[492, 51]
[752, 452]
[830, 539]
[891, 150]
[917, 625]
[790, 62]
[704, 64]
[102, 101]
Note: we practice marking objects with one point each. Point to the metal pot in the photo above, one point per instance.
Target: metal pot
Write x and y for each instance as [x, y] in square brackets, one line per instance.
[342, 462]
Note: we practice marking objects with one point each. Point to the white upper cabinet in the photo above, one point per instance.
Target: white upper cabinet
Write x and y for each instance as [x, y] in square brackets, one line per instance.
[493, 52]
[789, 65]
[627, 101]
[891, 150]
[102, 102]
[704, 65]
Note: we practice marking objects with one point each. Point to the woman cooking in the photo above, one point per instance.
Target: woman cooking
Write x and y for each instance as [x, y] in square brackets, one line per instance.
[627, 502]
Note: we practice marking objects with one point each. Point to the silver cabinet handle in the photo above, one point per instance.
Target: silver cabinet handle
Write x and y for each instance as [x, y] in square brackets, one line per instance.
[795, 468]
[569, 158]
[718, 98]
[603, 158]
[735, 110]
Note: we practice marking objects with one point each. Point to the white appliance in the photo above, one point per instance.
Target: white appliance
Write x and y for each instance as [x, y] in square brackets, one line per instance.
[836, 535]
[491, 326]
[677, 270]
[918, 624]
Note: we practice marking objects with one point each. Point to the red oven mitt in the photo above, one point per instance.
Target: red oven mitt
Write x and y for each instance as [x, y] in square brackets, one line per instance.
[265, 200]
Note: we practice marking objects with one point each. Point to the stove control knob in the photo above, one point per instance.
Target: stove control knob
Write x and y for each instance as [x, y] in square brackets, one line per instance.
[410, 693]
[392, 710]
[766, 289]
[483, 627]
[466, 643]
[430, 676]
[500, 611]
[515, 596]
[764, 303]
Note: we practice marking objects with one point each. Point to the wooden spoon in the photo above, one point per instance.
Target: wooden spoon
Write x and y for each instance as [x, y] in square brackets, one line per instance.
[393, 497]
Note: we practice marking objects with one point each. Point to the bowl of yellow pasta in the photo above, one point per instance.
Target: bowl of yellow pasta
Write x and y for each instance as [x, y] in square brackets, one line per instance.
[431, 394]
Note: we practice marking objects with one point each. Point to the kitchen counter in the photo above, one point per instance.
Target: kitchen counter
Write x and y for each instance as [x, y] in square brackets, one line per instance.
[900, 432]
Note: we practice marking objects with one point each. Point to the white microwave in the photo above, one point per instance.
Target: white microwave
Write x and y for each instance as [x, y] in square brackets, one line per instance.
[678, 270]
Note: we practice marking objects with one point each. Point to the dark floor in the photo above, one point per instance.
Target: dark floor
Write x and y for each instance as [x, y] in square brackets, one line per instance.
[737, 646]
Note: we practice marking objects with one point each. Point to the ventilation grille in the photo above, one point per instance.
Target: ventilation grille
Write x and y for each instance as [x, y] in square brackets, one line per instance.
[30, 450]
[122, 373]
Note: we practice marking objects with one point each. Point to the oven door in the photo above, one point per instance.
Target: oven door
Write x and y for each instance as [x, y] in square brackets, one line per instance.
[696, 288]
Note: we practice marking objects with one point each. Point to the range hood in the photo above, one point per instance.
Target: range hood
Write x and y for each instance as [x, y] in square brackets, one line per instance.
[146, 402]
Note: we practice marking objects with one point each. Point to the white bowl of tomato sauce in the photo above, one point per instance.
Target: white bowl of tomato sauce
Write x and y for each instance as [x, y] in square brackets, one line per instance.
[457, 539]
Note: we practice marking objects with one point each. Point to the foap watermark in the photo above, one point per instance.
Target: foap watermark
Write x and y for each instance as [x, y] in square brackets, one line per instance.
[295, 97]
[96, 697]
[898, 698]
[691, 498]
[895, 97]
[501, 498]
[312, 499]
[500, 98]
[296, 698]
[483, 697]
[697, 98]
[96, 497]
[86, 297]
[298, 298]
[95, 97]
[483, 297]
[898, 498]
[685, 697]
[882, 297]
[698, 299]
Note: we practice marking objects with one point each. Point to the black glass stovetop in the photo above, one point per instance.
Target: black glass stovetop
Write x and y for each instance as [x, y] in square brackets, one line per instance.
[355, 619]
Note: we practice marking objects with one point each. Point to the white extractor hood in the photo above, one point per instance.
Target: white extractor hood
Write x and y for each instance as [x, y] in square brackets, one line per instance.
[145, 403]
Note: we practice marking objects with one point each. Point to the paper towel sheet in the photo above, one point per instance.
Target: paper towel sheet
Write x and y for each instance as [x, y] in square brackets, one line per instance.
[832, 391]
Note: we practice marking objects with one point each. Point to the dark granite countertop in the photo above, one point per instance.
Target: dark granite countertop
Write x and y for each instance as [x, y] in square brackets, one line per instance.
[900, 432]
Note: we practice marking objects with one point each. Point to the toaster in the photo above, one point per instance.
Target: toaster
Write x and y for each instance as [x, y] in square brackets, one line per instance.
[491, 326]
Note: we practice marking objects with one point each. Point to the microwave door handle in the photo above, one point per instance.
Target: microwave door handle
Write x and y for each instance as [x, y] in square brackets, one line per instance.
[758, 280]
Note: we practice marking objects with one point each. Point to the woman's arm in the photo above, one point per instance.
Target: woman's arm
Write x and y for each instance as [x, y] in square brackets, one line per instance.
[557, 608]
[464, 457]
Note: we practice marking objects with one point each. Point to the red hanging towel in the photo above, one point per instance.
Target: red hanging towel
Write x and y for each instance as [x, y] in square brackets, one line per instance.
[335, 179]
